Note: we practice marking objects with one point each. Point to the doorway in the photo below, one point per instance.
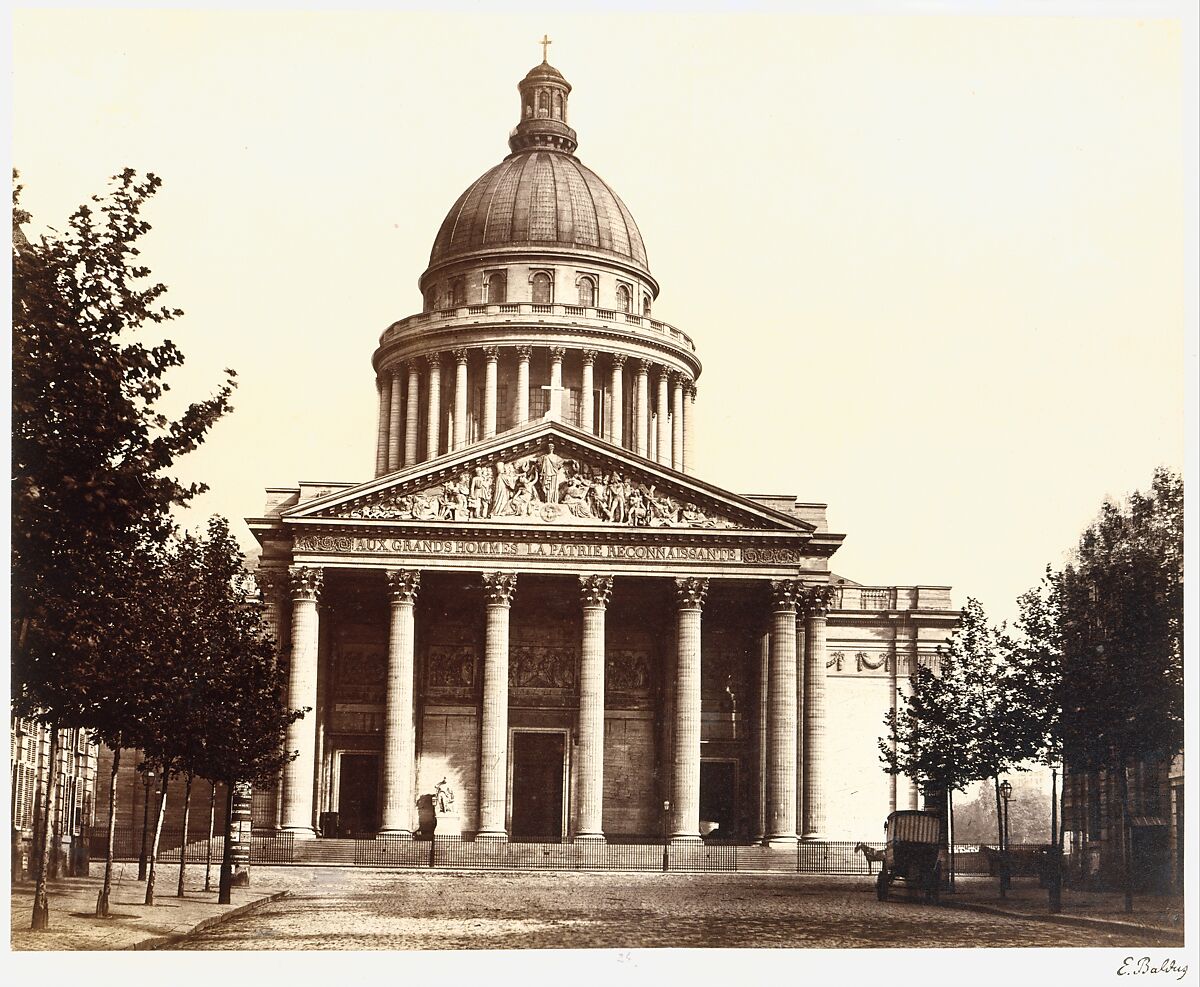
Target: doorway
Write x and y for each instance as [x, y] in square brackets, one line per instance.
[718, 797]
[358, 795]
[538, 761]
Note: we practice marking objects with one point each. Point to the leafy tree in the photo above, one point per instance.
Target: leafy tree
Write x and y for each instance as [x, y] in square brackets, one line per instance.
[1104, 643]
[91, 454]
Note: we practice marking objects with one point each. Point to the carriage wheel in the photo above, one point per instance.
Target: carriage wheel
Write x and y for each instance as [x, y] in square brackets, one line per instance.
[881, 884]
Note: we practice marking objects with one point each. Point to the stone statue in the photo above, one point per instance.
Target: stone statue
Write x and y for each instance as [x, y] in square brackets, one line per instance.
[550, 469]
[443, 797]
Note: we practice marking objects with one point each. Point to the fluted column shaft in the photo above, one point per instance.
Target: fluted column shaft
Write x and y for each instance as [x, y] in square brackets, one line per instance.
[274, 586]
[663, 452]
[814, 716]
[616, 401]
[685, 796]
[801, 657]
[641, 420]
[493, 740]
[689, 428]
[586, 416]
[411, 415]
[399, 753]
[460, 398]
[523, 355]
[490, 371]
[383, 386]
[302, 693]
[556, 386]
[392, 457]
[764, 692]
[781, 716]
[677, 424]
[594, 591]
[433, 424]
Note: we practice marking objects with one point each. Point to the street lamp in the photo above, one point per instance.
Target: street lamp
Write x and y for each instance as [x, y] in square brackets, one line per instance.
[147, 778]
[1006, 794]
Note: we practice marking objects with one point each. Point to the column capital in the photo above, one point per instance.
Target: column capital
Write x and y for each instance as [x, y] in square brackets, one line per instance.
[618, 360]
[594, 591]
[665, 374]
[589, 357]
[499, 587]
[557, 352]
[403, 584]
[690, 390]
[677, 377]
[433, 361]
[690, 593]
[461, 355]
[786, 594]
[398, 371]
[306, 582]
[271, 583]
[817, 600]
[641, 367]
[524, 353]
[491, 353]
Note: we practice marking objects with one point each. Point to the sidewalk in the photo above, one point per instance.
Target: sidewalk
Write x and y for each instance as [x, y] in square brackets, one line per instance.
[1025, 899]
[133, 924]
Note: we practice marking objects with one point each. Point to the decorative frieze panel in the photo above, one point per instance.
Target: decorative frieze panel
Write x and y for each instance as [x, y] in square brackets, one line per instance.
[538, 667]
[451, 670]
[540, 487]
[627, 673]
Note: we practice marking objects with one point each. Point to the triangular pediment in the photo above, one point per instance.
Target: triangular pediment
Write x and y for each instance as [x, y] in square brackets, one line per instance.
[546, 474]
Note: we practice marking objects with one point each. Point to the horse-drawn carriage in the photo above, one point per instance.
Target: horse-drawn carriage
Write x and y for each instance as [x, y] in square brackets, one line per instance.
[913, 853]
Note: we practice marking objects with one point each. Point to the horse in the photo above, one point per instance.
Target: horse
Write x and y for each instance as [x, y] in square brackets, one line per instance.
[871, 855]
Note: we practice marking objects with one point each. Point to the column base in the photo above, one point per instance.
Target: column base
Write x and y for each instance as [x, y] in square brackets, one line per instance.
[394, 834]
[299, 832]
[685, 839]
[595, 839]
[808, 837]
[781, 841]
[491, 836]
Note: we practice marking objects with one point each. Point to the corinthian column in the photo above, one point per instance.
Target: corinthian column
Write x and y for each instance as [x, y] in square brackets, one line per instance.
[460, 398]
[412, 413]
[677, 422]
[641, 413]
[556, 385]
[433, 425]
[383, 386]
[663, 452]
[816, 606]
[594, 591]
[586, 416]
[399, 756]
[273, 583]
[689, 427]
[523, 355]
[302, 693]
[685, 795]
[395, 416]
[498, 589]
[781, 716]
[491, 355]
[616, 400]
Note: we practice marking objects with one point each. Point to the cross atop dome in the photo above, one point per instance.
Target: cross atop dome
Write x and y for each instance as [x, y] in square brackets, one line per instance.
[545, 43]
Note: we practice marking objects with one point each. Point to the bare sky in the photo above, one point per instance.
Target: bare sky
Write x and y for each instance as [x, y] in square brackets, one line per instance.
[934, 265]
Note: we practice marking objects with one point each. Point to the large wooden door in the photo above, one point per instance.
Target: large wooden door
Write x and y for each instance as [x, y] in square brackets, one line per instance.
[537, 787]
[358, 795]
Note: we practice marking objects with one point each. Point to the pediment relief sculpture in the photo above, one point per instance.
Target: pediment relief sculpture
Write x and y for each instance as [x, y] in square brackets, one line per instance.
[541, 487]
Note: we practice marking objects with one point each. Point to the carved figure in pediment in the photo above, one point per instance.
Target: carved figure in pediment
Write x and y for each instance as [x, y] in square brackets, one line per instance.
[525, 494]
[638, 513]
[576, 496]
[615, 508]
[693, 517]
[426, 508]
[663, 511]
[479, 504]
[455, 495]
[503, 488]
[598, 494]
[551, 473]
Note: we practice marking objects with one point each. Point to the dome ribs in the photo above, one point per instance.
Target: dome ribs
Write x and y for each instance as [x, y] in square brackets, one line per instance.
[467, 216]
[479, 221]
[604, 219]
[564, 207]
[583, 208]
[543, 208]
[500, 211]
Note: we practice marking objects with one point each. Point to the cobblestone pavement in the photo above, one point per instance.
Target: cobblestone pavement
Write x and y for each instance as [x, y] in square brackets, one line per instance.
[332, 908]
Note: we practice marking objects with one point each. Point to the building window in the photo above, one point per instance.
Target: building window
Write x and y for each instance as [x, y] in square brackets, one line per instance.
[458, 292]
[587, 292]
[543, 109]
[558, 106]
[543, 288]
[645, 304]
[431, 298]
[624, 301]
[495, 288]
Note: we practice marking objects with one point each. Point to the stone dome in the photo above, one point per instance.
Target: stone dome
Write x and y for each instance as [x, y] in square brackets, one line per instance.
[537, 199]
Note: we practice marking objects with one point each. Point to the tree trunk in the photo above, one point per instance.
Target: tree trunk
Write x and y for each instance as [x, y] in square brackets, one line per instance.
[102, 900]
[162, 811]
[226, 881]
[951, 861]
[145, 826]
[1054, 876]
[41, 901]
[187, 800]
[1126, 838]
[212, 812]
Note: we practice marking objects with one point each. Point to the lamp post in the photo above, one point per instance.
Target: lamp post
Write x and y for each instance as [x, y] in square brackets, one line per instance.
[147, 778]
[1005, 794]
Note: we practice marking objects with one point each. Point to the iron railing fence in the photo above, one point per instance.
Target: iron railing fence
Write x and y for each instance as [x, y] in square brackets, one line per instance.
[466, 853]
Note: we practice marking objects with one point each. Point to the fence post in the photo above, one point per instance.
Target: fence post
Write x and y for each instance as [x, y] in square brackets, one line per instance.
[432, 844]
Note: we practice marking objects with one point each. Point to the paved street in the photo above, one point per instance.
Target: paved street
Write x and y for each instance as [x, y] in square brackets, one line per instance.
[332, 908]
